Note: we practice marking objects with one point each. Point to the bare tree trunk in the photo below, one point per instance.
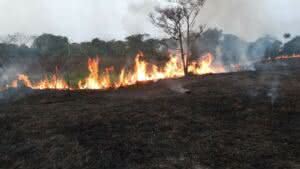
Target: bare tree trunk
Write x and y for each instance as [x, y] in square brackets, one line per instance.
[188, 46]
[182, 55]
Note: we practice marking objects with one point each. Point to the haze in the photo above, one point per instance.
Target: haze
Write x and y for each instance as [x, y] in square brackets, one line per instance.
[115, 19]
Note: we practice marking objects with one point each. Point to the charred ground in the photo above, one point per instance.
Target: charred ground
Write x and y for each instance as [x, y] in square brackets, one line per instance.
[227, 121]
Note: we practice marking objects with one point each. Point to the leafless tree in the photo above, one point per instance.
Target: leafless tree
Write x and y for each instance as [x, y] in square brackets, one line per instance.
[178, 20]
[18, 39]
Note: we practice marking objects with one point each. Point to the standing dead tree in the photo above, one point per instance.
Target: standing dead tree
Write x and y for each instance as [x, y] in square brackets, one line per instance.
[178, 20]
[18, 39]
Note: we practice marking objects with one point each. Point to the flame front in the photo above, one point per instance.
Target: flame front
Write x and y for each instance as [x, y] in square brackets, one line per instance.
[286, 57]
[94, 80]
[204, 66]
[53, 82]
[142, 71]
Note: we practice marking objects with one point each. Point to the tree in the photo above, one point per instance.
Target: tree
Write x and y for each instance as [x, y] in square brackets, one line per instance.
[51, 45]
[273, 50]
[257, 49]
[233, 49]
[207, 42]
[52, 49]
[18, 39]
[292, 47]
[136, 43]
[178, 20]
[287, 36]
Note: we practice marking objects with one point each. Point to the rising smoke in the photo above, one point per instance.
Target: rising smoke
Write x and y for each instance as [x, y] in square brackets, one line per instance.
[273, 92]
[115, 19]
[242, 21]
[247, 19]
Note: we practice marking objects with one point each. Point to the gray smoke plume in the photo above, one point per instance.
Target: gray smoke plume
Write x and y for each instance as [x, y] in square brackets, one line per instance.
[252, 19]
[8, 74]
[243, 23]
[115, 19]
[245, 18]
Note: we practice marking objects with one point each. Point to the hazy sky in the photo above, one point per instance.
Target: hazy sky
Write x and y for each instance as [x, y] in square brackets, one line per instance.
[114, 19]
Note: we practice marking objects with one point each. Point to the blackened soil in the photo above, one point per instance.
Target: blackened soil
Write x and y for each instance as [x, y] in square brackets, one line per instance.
[246, 120]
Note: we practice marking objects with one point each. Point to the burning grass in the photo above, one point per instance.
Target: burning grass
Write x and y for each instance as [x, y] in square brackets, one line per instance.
[228, 121]
[285, 57]
[142, 71]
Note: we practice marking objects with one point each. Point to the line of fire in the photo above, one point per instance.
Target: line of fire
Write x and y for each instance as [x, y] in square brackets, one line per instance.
[149, 84]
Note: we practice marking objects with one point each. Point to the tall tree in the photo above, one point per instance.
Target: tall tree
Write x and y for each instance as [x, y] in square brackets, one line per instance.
[178, 20]
[52, 49]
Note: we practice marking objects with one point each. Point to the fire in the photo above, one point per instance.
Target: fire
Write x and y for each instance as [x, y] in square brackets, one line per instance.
[142, 71]
[204, 66]
[24, 79]
[286, 57]
[94, 80]
[53, 82]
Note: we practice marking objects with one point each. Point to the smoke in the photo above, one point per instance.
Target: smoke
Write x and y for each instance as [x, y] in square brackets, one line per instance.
[234, 51]
[246, 19]
[177, 87]
[242, 22]
[137, 20]
[116, 19]
[252, 19]
[273, 93]
[8, 74]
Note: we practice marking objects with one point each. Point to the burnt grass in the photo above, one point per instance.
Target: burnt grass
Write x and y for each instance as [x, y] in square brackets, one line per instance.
[245, 120]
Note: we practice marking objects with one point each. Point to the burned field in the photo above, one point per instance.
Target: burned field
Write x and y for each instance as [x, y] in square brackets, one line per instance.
[236, 120]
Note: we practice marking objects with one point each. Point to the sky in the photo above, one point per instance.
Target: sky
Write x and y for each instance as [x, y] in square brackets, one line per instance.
[83, 20]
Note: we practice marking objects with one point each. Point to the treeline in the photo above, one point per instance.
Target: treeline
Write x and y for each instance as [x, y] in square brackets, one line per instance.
[49, 50]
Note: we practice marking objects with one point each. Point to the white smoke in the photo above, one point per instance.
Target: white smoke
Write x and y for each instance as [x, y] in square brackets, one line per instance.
[116, 19]
[252, 19]
[244, 18]
[7, 74]
[273, 92]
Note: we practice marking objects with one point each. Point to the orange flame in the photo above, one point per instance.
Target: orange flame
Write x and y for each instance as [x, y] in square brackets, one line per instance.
[143, 71]
[286, 57]
[173, 68]
[94, 81]
[204, 66]
[48, 83]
